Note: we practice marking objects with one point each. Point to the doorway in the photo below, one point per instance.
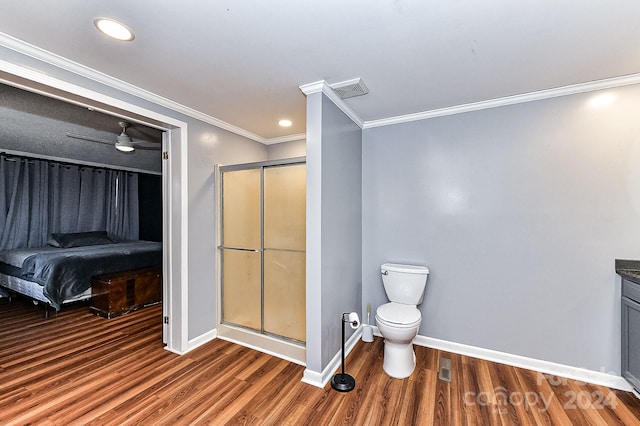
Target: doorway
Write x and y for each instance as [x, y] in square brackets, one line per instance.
[173, 171]
[263, 249]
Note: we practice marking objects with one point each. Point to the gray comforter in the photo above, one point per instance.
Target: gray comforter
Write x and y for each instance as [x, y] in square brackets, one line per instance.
[65, 273]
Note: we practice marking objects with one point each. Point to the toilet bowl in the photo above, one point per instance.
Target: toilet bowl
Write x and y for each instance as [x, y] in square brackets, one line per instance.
[398, 329]
[399, 320]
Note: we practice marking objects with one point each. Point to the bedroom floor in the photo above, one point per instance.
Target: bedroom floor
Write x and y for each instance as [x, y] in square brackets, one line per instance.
[77, 368]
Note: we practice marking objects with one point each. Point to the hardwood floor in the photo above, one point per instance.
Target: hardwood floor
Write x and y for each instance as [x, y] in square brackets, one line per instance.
[76, 368]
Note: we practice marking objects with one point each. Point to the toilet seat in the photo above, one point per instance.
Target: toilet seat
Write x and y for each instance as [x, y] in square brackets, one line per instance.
[398, 314]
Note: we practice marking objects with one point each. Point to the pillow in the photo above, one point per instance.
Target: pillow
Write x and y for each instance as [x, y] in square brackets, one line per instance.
[53, 243]
[80, 239]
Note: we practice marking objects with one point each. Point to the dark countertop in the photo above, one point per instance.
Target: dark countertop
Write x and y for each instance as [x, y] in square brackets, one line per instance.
[628, 269]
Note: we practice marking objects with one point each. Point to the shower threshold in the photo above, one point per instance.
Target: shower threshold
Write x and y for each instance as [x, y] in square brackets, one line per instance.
[279, 348]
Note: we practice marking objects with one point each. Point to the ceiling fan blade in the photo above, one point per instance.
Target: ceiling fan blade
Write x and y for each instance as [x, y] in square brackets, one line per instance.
[88, 138]
[135, 144]
[147, 147]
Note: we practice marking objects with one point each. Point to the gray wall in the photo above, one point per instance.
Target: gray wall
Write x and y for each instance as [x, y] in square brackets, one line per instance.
[519, 212]
[211, 146]
[334, 225]
[287, 150]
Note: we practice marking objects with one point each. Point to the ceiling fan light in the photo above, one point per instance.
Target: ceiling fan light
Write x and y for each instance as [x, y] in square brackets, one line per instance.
[124, 143]
[124, 147]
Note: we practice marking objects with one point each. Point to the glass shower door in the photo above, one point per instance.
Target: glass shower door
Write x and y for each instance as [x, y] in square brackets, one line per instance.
[242, 248]
[284, 251]
[263, 249]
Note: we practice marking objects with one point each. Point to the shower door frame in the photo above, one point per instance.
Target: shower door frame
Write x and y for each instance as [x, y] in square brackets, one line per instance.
[220, 248]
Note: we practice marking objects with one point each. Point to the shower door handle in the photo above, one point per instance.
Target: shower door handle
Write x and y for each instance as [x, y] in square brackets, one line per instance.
[240, 249]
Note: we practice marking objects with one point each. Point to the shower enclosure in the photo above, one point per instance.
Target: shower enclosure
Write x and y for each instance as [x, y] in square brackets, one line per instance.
[263, 248]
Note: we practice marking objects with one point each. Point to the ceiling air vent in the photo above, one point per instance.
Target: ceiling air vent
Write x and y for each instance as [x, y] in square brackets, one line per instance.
[350, 88]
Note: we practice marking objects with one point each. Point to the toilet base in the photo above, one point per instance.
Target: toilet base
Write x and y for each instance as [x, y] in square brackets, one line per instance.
[399, 359]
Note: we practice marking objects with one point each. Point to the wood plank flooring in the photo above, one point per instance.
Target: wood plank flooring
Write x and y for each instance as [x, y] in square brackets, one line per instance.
[76, 368]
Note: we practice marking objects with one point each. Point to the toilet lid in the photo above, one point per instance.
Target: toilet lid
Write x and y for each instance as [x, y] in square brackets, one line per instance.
[398, 313]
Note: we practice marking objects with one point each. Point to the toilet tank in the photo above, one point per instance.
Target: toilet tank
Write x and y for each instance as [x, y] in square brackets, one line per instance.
[404, 283]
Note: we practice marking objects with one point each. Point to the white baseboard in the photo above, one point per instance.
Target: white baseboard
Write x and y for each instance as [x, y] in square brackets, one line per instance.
[201, 340]
[173, 351]
[320, 379]
[562, 370]
[313, 378]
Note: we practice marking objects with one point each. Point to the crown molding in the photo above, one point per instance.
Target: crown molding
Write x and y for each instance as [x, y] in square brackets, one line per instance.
[608, 83]
[322, 86]
[281, 139]
[58, 61]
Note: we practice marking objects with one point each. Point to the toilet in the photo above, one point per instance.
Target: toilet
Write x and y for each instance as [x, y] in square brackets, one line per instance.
[399, 320]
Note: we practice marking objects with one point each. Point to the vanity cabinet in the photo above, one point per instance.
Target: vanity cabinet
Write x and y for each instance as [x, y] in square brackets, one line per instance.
[631, 332]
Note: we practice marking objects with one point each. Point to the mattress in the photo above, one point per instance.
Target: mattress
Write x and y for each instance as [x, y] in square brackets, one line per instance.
[34, 290]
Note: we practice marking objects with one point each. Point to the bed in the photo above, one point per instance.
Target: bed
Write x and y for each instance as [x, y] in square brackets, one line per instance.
[61, 272]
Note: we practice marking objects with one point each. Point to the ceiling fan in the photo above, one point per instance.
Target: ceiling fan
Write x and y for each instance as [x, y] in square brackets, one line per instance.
[123, 142]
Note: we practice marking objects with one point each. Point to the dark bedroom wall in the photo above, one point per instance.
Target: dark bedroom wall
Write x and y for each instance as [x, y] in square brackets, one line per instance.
[150, 206]
[38, 125]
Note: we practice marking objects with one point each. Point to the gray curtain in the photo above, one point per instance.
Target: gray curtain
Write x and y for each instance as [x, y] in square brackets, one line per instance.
[22, 206]
[123, 204]
[39, 197]
[64, 184]
[92, 195]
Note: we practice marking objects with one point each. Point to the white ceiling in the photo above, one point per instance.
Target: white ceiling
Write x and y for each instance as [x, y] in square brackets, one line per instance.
[243, 61]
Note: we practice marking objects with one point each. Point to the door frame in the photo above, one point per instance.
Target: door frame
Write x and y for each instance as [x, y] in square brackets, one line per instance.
[174, 178]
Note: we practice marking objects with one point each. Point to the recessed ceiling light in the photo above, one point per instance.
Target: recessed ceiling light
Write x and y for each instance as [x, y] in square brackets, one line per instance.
[114, 29]
[285, 123]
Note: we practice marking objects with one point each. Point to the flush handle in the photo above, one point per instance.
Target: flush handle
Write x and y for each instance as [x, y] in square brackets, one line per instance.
[385, 272]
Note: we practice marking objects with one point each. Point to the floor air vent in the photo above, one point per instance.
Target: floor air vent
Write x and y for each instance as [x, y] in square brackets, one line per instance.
[444, 372]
